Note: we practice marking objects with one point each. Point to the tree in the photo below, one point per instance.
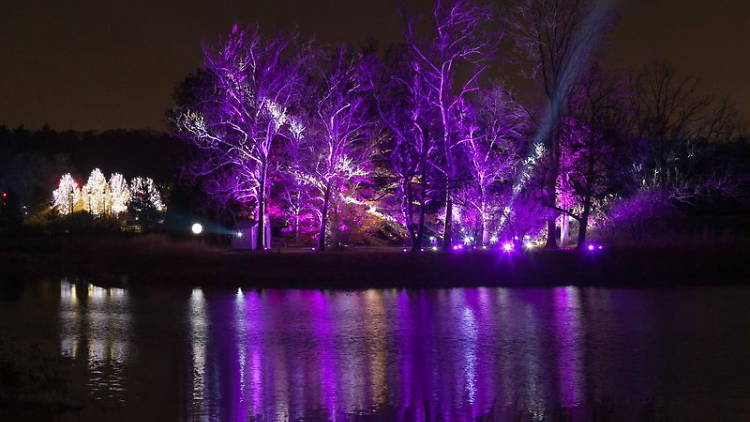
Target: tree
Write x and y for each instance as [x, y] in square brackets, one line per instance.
[595, 148]
[335, 148]
[455, 47]
[669, 109]
[95, 194]
[67, 195]
[495, 133]
[408, 119]
[557, 37]
[145, 201]
[119, 194]
[238, 120]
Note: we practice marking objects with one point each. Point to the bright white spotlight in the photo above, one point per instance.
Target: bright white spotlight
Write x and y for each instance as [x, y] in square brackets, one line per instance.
[197, 228]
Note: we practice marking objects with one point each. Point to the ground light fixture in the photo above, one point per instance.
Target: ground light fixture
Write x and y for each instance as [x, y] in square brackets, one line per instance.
[196, 228]
[508, 247]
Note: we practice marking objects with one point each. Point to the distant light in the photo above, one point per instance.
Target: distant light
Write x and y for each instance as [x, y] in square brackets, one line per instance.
[434, 248]
[197, 228]
[421, 249]
[528, 245]
[508, 247]
[458, 247]
[600, 247]
[493, 239]
[591, 247]
[312, 249]
[406, 250]
[239, 234]
[468, 239]
[5, 195]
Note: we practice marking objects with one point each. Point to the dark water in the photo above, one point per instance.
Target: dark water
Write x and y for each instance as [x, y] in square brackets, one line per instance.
[452, 355]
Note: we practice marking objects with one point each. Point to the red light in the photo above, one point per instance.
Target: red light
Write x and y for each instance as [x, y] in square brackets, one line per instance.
[5, 195]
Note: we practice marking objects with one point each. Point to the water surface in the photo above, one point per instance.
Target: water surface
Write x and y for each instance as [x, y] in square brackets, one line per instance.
[403, 355]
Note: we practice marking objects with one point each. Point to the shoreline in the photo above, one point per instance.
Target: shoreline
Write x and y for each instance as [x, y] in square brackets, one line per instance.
[361, 268]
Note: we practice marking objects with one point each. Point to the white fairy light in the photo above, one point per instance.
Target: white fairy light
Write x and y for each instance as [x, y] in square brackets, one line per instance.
[67, 195]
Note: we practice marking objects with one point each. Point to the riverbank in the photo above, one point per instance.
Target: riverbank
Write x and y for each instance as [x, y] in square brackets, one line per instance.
[156, 260]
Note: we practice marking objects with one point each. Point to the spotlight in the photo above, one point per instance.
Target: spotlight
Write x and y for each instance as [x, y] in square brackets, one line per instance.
[508, 247]
[197, 228]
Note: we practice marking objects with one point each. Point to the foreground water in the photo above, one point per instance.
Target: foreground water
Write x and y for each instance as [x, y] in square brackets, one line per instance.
[411, 355]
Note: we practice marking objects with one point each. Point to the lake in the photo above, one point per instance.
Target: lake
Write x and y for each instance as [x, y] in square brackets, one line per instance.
[464, 354]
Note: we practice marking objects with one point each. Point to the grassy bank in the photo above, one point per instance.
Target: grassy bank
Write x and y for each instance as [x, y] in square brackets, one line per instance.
[158, 260]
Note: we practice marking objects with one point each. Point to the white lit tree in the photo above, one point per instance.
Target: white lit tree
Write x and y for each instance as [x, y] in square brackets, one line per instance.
[96, 194]
[119, 193]
[67, 195]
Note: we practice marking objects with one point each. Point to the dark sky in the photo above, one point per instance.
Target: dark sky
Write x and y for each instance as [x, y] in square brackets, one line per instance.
[100, 64]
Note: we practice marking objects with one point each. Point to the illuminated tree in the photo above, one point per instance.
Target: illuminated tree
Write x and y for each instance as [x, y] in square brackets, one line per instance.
[95, 194]
[495, 134]
[455, 46]
[119, 194]
[595, 148]
[145, 201]
[335, 149]
[407, 117]
[238, 118]
[557, 37]
[67, 195]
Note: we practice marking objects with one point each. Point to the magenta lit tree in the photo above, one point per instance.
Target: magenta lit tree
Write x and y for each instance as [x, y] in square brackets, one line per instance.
[492, 147]
[456, 46]
[408, 118]
[335, 149]
[236, 120]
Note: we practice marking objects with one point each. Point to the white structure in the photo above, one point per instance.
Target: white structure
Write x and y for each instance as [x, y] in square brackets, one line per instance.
[246, 235]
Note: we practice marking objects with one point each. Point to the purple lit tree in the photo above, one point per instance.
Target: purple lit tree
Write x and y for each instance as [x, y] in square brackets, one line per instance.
[557, 37]
[335, 149]
[403, 111]
[595, 147]
[236, 120]
[456, 46]
[492, 150]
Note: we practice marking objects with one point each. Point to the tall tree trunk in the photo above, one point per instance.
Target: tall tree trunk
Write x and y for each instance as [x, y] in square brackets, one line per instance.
[583, 223]
[324, 219]
[422, 200]
[552, 185]
[485, 235]
[259, 241]
[448, 226]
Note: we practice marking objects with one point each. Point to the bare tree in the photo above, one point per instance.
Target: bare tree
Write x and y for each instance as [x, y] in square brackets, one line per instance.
[236, 122]
[557, 37]
[455, 47]
[336, 145]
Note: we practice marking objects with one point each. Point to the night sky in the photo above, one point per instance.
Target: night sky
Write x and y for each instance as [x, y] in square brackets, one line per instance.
[101, 64]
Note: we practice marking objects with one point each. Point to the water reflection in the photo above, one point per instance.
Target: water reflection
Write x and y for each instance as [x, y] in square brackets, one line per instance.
[94, 326]
[404, 355]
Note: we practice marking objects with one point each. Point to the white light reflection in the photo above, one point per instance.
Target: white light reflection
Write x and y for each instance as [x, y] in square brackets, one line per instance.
[198, 339]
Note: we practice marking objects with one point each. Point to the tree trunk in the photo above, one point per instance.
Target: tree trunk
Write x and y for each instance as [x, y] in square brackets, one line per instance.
[583, 224]
[259, 241]
[485, 235]
[552, 185]
[448, 226]
[324, 219]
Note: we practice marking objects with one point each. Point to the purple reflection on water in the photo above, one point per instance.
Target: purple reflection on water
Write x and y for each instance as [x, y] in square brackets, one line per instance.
[454, 354]
[570, 338]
